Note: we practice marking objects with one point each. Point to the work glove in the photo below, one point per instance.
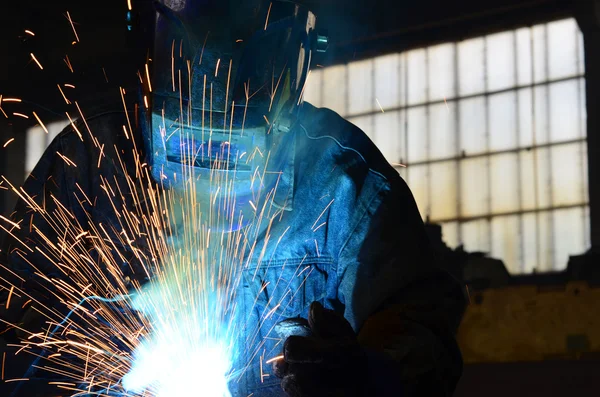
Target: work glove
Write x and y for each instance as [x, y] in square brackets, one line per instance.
[324, 360]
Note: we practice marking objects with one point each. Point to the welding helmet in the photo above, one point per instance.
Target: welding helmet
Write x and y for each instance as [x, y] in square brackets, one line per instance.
[226, 85]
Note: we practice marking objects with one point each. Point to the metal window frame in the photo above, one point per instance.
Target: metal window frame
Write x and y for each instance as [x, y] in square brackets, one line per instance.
[460, 219]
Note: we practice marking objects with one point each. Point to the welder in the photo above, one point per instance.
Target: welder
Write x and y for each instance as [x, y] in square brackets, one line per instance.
[374, 314]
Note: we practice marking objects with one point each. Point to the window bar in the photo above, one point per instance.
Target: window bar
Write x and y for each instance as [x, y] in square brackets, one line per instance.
[551, 235]
[427, 136]
[458, 144]
[403, 84]
[488, 161]
[517, 127]
[470, 96]
[580, 129]
[536, 198]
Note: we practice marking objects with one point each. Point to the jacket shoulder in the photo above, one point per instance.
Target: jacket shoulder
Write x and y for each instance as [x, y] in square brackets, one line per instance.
[323, 123]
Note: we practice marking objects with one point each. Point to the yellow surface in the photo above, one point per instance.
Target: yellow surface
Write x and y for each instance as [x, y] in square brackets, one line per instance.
[531, 323]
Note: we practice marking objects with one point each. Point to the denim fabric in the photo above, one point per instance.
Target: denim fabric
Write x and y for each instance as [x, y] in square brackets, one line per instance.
[349, 235]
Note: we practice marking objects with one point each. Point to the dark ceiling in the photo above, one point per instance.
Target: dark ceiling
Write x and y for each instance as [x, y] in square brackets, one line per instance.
[357, 28]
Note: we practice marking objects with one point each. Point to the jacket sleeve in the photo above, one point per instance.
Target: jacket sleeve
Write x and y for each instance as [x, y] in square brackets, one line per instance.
[48, 189]
[397, 297]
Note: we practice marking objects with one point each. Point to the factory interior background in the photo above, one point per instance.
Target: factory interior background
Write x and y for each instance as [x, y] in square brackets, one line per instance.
[488, 110]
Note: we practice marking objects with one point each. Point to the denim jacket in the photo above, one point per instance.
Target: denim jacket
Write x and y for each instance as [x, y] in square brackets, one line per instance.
[350, 236]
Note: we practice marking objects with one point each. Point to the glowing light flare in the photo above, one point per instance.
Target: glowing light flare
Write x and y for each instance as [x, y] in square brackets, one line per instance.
[29, 32]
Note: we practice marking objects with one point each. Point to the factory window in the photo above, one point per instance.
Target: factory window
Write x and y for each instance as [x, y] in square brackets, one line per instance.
[38, 140]
[491, 131]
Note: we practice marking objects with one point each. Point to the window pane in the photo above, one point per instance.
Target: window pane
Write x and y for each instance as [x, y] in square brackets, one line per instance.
[417, 180]
[524, 56]
[506, 241]
[500, 61]
[545, 243]
[417, 82]
[476, 236]
[417, 134]
[530, 245]
[567, 174]
[535, 178]
[541, 129]
[441, 71]
[365, 123]
[360, 87]
[525, 117]
[539, 53]
[504, 170]
[580, 53]
[36, 144]
[334, 89]
[527, 177]
[312, 90]
[568, 235]
[443, 190]
[442, 128]
[387, 81]
[544, 178]
[564, 111]
[471, 78]
[472, 126]
[503, 121]
[389, 135]
[450, 234]
[562, 47]
[474, 187]
[586, 227]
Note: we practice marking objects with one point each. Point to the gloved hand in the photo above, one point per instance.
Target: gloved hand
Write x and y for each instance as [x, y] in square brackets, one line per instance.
[327, 362]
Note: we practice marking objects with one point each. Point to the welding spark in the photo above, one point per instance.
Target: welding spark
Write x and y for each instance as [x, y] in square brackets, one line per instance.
[150, 302]
[36, 61]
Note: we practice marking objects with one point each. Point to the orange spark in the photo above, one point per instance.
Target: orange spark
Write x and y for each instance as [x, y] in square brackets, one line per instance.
[73, 26]
[268, 14]
[129, 5]
[380, 107]
[11, 100]
[29, 32]
[69, 85]
[68, 62]
[20, 115]
[269, 361]
[12, 289]
[36, 61]
[66, 159]
[217, 68]
[148, 78]
[40, 122]
[63, 95]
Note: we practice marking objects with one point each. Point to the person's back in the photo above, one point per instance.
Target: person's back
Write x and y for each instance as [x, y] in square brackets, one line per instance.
[336, 225]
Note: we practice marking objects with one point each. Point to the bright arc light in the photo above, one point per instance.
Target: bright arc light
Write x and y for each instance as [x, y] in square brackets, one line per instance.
[170, 369]
[185, 354]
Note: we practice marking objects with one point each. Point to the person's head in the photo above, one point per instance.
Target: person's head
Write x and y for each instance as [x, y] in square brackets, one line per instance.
[227, 83]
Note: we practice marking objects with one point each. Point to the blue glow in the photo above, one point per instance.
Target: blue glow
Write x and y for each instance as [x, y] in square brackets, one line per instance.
[187, 352]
